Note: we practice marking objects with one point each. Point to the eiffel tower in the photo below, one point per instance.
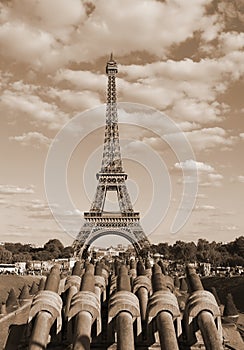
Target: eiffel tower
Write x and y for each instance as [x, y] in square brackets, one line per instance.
[111, 177]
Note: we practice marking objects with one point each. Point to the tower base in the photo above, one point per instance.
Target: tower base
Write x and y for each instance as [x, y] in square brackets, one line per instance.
[96, 225]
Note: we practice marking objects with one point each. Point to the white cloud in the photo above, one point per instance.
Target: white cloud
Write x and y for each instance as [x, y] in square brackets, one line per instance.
[31, 138]
[76, 100]
[3, 201]
[201, 195]
[183, 70]
[187, 89]
[24, 88]
[197, 111]
[13, 189]
[82, 79]
[207, 175]
[231, 41]
[240, 178]
[34, 107]
[215, 177]
[46, 35]
[205, 207]
[42, 13]
[62, 38]
[232, 228]
[191, 164]
[206, 138]
[210, 184]
[31, 49]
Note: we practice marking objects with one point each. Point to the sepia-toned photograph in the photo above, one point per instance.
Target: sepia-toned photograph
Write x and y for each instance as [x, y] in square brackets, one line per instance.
[122, 174]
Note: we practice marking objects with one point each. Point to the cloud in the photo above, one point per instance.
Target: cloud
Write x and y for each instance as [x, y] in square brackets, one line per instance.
[23, 87]
[45, 35]
[182, 70]
[81, 79]
[191, 164]
[215, 177]
[3, 201]
[34, 107]
[204, 207]
[34, 46]
[55, 40]
[201, 139]
[31, 138]
[185, 89]
[231, 13]
[210, 184]
[240, 178]
[197, 111]
[76, 100]
[13, 189]
[231, 41]
[242, 135]
[42, 14]
[40, 209]
[207, 175]
[197, 79]
[206, 138]
[231, 228]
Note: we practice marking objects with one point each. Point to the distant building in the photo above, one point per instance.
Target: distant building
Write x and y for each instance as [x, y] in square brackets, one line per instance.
[65, 263]
[205, 269]
[20, 267]
[8, 268]
[98, 252]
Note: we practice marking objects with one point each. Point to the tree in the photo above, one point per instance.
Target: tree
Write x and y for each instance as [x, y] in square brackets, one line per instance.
[21, 257]
[163, 249]
[202, 250]
[67, 252]
[238, 246]
[190, 251]
[178, 250]
[55, 247]
[153, 248]
[13, 247]
[184, 251]
[5, 256]
[43, 255]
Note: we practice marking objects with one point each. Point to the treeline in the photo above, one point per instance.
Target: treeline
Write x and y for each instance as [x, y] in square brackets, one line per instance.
[218, 254]
[53, 249]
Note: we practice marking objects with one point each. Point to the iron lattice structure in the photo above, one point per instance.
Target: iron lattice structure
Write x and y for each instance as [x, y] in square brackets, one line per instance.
[125, 222]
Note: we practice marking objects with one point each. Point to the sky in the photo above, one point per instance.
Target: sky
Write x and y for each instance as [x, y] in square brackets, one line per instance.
[181, 67]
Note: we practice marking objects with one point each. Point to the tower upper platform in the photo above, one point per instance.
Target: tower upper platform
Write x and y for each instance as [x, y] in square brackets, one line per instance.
[111, 67]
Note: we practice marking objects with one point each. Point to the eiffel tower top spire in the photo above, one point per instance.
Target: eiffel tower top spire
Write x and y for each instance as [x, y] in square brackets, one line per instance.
[111, 162]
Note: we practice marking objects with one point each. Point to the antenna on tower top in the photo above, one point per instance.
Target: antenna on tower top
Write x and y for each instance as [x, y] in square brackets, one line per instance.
[111, 56]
